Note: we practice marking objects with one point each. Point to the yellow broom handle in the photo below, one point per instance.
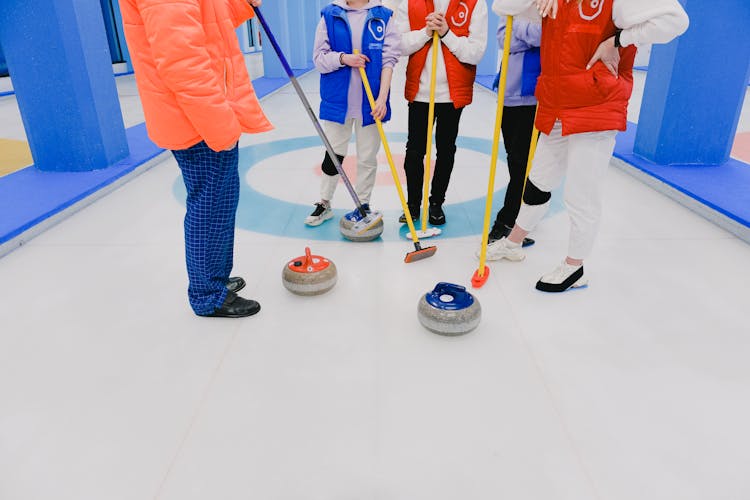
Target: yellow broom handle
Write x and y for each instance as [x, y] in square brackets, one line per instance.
[388, 155]
[496, 143]
[430, 123]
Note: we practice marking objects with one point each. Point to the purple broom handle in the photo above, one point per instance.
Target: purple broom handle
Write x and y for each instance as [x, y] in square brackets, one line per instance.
[316, 123]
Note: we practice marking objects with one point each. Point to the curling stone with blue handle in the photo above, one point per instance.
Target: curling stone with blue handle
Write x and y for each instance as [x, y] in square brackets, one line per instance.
[449, 310]
[356, 228]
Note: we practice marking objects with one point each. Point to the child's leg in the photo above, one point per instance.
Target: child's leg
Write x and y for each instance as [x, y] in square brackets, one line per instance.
[518, 123]
[588, 158]
[446, 132]
[339, 135]
[546, 174]
[416, 145]
[368, 145]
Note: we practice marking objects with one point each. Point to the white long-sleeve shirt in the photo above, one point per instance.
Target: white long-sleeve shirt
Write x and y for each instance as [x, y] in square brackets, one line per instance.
[642, 22]
[467, 49]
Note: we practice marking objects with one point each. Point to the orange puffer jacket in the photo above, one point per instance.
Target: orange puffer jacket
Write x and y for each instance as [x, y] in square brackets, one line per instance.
[190, 71]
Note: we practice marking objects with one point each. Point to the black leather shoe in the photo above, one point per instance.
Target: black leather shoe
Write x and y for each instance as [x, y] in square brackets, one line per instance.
[235, 307]
[503, 231]
[498, 233]
[235, 284]
[414, 216]
[437, 216]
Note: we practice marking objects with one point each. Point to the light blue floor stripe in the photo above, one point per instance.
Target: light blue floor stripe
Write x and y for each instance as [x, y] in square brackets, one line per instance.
[261, 213]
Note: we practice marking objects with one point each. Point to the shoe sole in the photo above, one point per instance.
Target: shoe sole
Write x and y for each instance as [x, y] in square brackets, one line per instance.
[320, 221]
[512, 257]
[252, 313]
[572, 288]
[575, 280]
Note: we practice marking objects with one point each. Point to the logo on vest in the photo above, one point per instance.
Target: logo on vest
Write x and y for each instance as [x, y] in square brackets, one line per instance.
[377, 29]
[590, 9]
[462, 15]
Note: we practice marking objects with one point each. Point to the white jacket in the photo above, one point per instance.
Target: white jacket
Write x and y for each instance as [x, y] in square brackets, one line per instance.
[642, 22]
[469, 50]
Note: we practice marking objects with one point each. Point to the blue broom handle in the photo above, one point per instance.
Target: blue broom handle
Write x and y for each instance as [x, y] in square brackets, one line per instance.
[308, 108]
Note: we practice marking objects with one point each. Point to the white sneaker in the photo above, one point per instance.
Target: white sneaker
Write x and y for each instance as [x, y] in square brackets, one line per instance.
[563, 278]
[504, 249]
[321, 214]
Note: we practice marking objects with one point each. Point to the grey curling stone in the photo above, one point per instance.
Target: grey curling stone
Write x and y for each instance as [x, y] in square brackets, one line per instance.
[345, 225]
[309, 274]
[449, 310]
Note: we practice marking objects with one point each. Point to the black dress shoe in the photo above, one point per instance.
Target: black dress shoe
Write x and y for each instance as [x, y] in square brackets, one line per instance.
[235, 284]
[437, 216]
[503, 231]
[414, 215]
[235, 307]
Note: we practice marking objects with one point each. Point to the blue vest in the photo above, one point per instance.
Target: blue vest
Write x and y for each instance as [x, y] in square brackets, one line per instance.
[334, 86]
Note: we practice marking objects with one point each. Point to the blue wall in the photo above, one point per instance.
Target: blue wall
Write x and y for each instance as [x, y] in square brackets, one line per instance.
[696, 86]
[3, 65]
[108, 12]
[64, 87]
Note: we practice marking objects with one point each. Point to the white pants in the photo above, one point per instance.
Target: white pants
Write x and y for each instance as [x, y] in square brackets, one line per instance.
[368, 145]
[584, 158]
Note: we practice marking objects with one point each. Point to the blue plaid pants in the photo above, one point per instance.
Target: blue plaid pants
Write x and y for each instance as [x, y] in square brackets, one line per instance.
[213, 186]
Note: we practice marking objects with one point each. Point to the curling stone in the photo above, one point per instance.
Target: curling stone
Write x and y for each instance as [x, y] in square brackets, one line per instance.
[347, 231]
[449, 310]
[309, 274]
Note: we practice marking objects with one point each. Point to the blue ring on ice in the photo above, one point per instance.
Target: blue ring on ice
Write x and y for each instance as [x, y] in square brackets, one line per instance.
[261, 213]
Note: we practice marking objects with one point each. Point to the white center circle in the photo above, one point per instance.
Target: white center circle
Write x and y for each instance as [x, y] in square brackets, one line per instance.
[295, 177]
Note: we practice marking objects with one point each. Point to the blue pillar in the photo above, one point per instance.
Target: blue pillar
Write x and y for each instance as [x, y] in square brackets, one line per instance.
[312, 18]
[121, 34]
[297, 25]
[3, 66]
[243, 38]
[276, 14]
[58, 54]
[695, 87]
[488, 64]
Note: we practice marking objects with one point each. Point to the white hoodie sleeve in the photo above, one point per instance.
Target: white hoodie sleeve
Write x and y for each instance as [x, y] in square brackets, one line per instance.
[523, 8]
[470, 49]
[649, 21]
[411, 41]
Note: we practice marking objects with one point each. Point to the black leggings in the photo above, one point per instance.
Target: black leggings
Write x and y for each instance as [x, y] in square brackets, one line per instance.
[446, 131]
[518, 122]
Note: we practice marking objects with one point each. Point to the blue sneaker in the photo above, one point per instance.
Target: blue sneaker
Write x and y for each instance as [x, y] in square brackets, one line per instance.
[355, 216]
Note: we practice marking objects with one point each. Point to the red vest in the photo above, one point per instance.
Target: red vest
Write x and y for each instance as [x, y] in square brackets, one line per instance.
[583, 100]
[460, 76]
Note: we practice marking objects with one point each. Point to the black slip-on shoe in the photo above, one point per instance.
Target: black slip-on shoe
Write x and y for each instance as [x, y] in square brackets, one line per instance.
[414, 216]
[235, 307]
[503, 231]
[437, 216]
[235, 284]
